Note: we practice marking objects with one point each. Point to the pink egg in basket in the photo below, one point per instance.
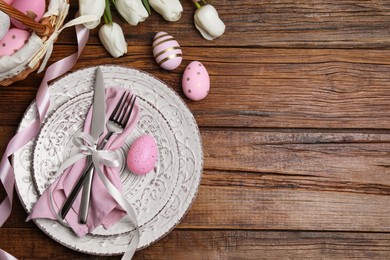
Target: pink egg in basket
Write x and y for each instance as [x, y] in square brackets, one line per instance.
[4, 24]
[196, 81]
[14, 40]
[166, 51]
[32, 8]
[142, 155]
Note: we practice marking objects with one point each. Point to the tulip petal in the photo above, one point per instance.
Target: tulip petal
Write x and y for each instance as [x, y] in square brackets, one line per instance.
[170, 10]
[113, 39]
[208, 23]
[92, 7]
[133, 11]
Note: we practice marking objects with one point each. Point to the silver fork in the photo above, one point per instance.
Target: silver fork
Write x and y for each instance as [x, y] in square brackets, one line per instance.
[115, 125]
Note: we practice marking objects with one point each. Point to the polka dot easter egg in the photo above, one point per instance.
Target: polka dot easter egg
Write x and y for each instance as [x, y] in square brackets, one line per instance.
[142, 155]
[166, 51]
[32, 8]
[13, 41]
[196, 81]
[4, 24]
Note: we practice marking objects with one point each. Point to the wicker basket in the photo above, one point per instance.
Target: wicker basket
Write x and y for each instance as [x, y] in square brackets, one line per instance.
[42, 29]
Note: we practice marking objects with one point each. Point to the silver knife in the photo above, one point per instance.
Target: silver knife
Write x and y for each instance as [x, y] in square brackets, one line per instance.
[97, 128]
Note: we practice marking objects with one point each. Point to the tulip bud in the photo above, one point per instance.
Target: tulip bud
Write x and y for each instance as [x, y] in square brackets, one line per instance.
[92, 7]
[133, 11]
[208, 22]
[169, 9]
[111, 35]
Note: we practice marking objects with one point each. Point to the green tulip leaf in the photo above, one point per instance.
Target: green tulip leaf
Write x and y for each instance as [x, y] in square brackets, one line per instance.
[147, 6]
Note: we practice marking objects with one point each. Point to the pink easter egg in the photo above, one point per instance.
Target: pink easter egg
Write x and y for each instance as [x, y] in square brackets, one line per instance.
[14, 40]
[4, 24]
[166, 51]
[196, 81]
[32, 8]
[142, 155]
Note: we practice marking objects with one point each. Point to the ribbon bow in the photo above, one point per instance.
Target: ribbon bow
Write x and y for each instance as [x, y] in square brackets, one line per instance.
[86, 144]
[87, 147]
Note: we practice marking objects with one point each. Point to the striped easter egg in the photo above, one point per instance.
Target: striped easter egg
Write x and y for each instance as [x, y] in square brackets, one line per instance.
[166, 51]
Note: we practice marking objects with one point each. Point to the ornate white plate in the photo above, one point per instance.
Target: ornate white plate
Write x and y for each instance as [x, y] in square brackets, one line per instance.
[160, 198]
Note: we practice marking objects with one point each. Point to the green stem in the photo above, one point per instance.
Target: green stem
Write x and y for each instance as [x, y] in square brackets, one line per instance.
[107, 13]
[147, 6]
[105, 18]
[197, 5]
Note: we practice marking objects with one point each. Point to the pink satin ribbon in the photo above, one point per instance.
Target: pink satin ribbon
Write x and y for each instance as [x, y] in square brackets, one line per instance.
[6, 256]
[24, 136]
[55, 70]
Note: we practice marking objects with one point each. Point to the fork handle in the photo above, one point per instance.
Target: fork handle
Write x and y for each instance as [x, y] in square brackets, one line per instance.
[80, 182]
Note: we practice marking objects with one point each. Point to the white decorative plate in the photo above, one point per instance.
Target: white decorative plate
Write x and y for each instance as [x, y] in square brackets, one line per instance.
[160, 198]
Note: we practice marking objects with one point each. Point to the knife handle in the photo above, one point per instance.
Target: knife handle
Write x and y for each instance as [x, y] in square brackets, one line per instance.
[85, 197]
[76, 189]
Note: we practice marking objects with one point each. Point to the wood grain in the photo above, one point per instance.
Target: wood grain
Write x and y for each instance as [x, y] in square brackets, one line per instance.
[261, 88]
[287, 209]
[185, 244]
[265, 24]
[322, 176]
[341, 160]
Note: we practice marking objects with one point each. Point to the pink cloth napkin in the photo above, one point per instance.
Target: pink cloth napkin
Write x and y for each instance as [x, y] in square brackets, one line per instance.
[103, 210]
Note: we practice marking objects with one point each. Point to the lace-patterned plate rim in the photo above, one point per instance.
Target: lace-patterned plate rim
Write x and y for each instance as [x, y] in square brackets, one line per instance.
[42, 178]
[179, 206]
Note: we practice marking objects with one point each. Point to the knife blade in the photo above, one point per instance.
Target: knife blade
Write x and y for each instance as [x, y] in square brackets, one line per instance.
[97, 128]
[99, 107]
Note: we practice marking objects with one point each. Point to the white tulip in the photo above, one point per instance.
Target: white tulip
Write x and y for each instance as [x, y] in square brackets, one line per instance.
[169, 9]
[133, 11]
[92, 7]
[111, 35]
[208, 22]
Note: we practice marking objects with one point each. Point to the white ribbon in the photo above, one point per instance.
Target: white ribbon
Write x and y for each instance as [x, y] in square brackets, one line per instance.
[47, 47]
[85, 143]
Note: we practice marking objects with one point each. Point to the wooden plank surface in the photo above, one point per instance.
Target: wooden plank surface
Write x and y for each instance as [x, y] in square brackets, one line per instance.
[186, 244]
[264, 88]
[283, 24]
[296, 132]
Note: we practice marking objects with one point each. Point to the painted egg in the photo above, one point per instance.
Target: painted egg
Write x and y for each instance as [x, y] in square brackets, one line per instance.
[196, 81]
[13, 41]
[166, 51]
[32, 8]
[142, 155]
[4, 24]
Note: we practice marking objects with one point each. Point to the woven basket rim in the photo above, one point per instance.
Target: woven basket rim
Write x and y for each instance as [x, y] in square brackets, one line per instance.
[49, 22]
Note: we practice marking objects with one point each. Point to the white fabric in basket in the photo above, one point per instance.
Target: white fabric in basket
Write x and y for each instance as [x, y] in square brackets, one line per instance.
[20, 58]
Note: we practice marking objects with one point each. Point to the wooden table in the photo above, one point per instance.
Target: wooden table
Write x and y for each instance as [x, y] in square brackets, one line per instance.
[296, 131]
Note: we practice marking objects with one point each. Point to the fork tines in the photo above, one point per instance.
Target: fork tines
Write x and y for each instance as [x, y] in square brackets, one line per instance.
[123, 109]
